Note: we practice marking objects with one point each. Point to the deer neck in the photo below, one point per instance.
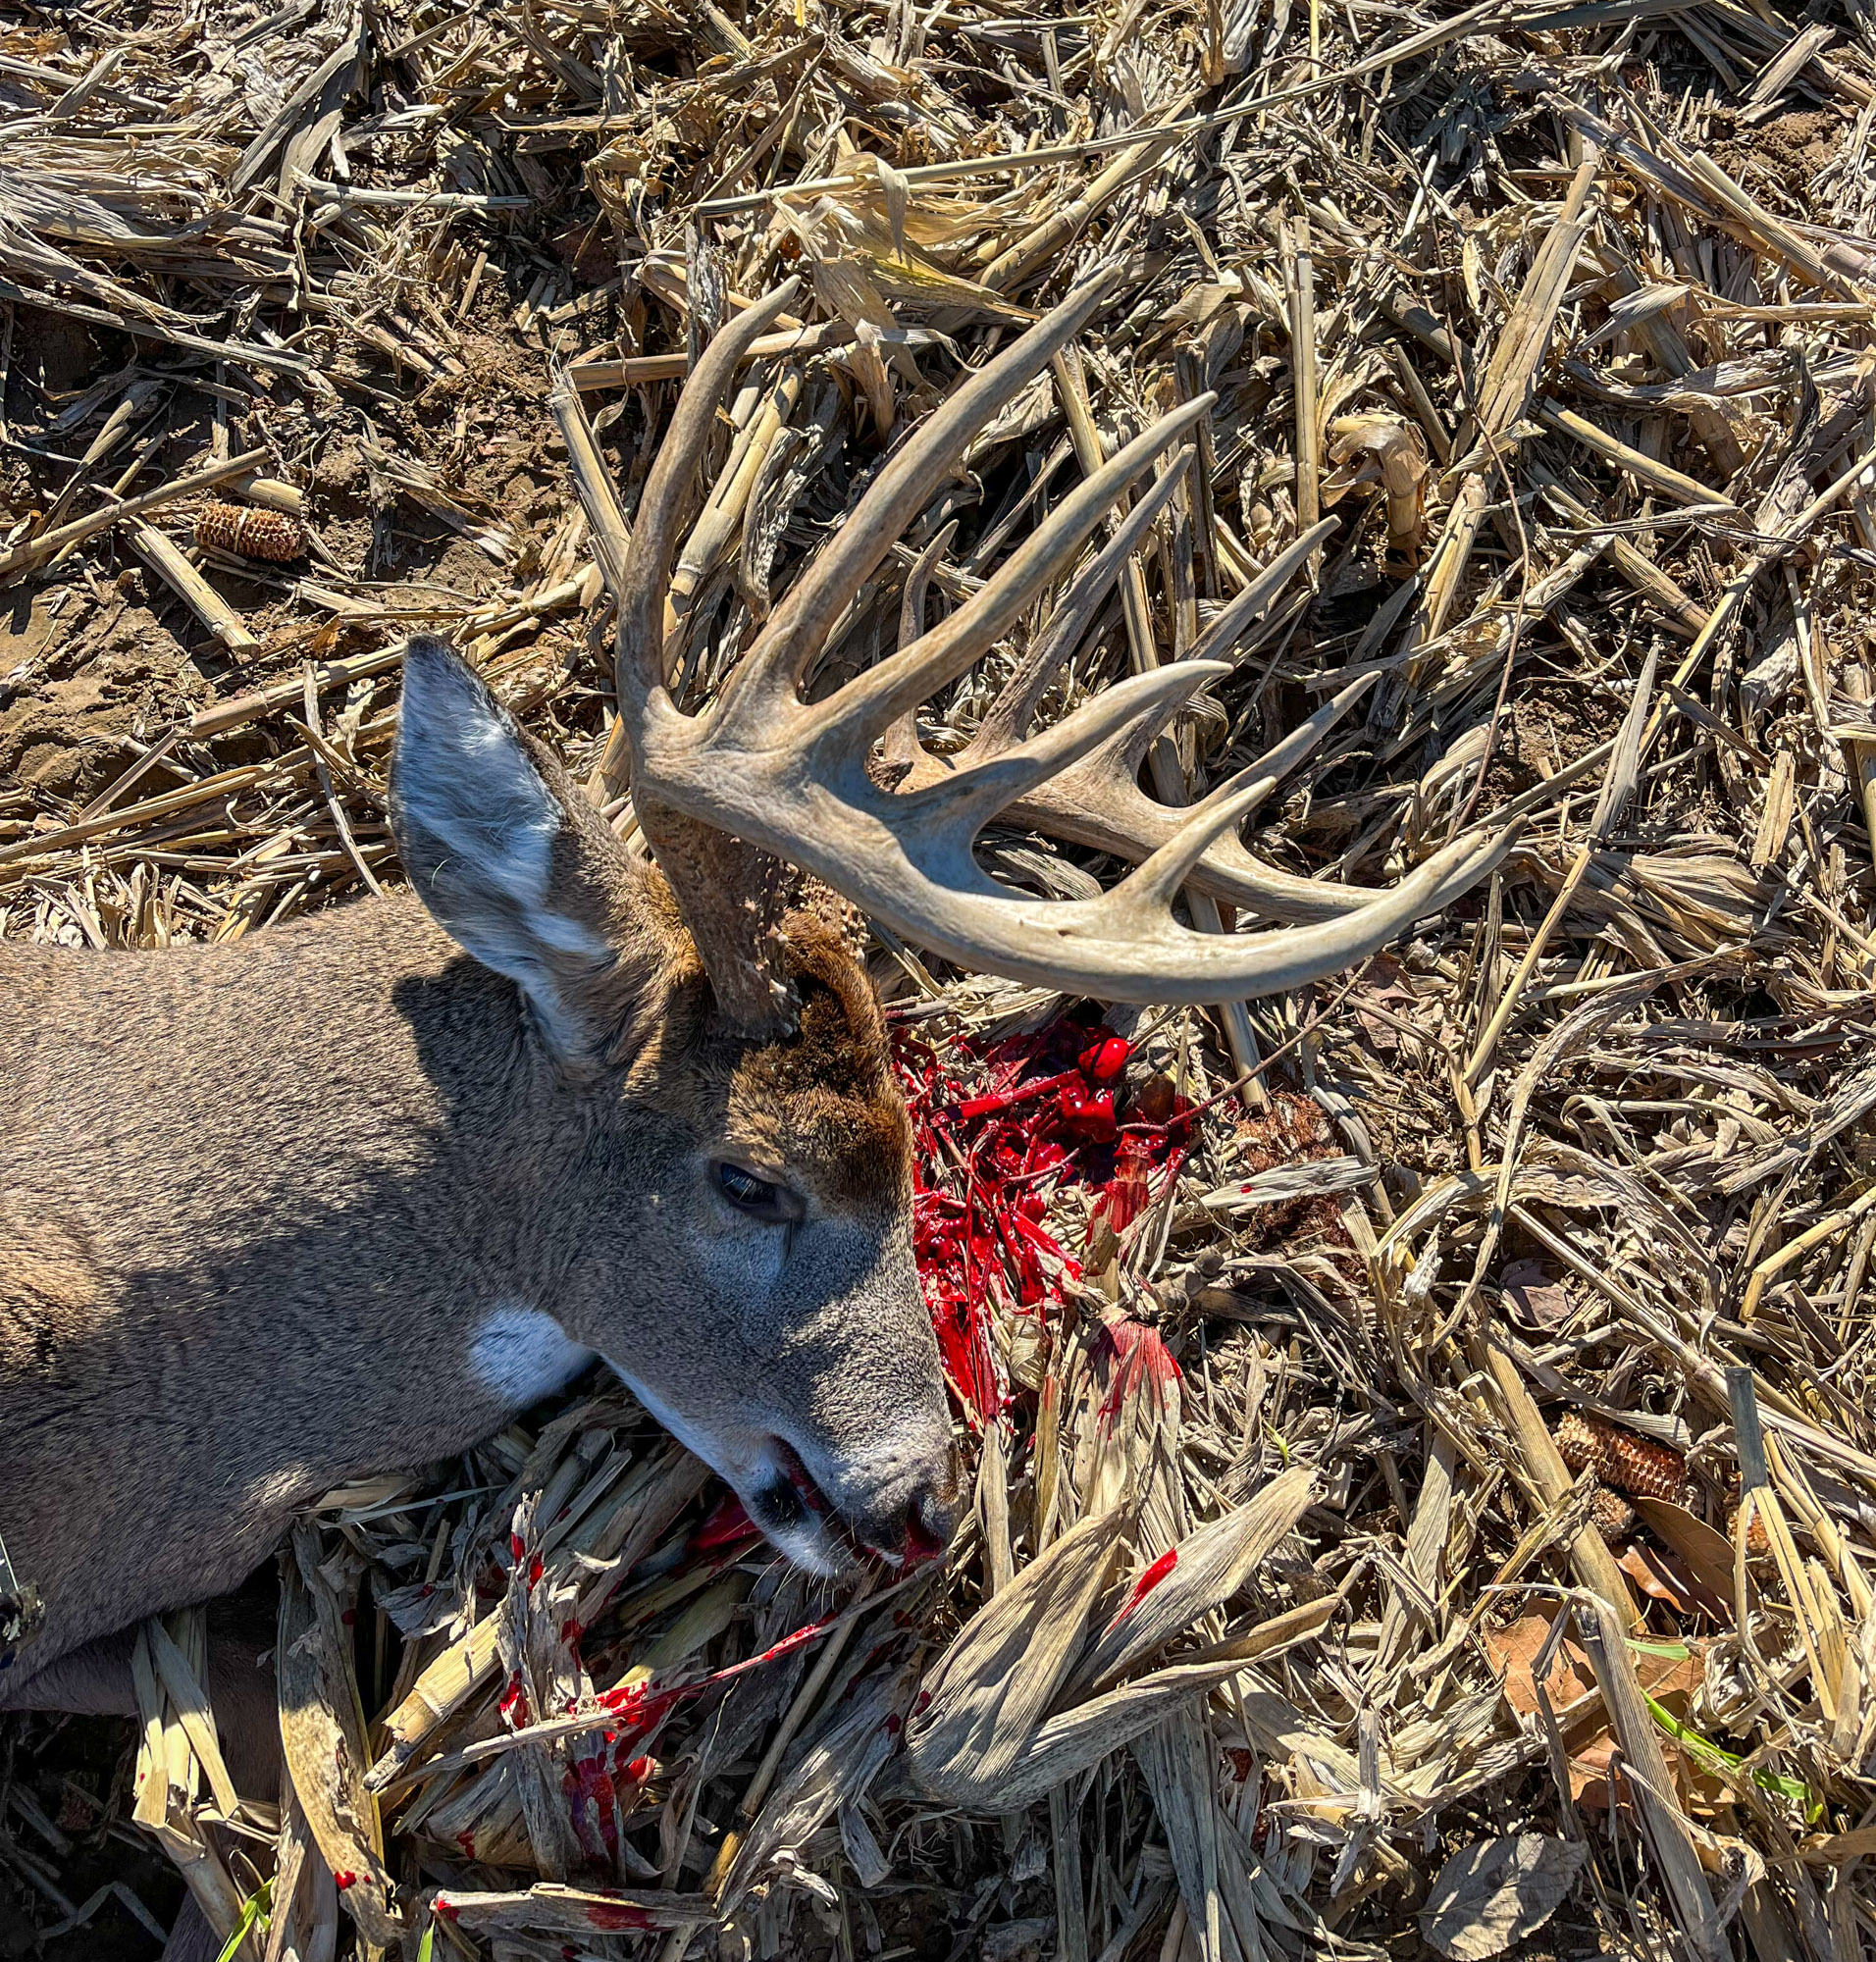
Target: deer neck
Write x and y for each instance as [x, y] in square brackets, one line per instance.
[342, 1186]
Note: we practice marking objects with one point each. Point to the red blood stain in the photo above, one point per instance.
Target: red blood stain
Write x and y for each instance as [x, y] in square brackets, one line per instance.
[1088, 1113]
[467, 1841]
[1135, 1360]
[1151, 1578]
[922, 1703]
[517, 1548]
[1103, 1061]
[445, 1909]
[350, 1616]
[606, 1914]
[728, 1526]
[894, 1723]
[535, 1569]
[345, 1879]
[995, 1126]
[514, 1704]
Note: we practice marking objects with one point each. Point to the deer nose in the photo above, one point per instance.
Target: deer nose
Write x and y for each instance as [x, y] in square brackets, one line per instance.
[920, 1526]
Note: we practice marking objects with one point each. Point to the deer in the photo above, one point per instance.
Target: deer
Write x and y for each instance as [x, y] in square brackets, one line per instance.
[346, 1196]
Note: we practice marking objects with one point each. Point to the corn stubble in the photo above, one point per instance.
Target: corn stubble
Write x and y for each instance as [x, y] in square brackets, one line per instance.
[1560, 330]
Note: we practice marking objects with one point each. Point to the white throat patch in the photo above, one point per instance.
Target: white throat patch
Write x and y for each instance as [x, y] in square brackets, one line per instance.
[523, 1355]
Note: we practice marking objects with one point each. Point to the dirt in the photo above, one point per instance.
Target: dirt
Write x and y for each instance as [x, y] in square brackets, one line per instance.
[1788, 150]
[76, 1771]
[91, 684]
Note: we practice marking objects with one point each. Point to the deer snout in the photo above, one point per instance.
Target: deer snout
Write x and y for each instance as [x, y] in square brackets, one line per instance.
[915, 1523]
[900, 1503]
[901, 1499]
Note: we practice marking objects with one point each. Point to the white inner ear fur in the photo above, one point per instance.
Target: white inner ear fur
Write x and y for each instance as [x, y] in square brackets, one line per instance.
[468, 788]
[466, 781]
[523, 1355]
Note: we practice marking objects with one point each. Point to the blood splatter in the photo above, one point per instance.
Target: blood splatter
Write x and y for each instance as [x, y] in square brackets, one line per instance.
[994, 1125]
[1149, 1579]
[611, 1914]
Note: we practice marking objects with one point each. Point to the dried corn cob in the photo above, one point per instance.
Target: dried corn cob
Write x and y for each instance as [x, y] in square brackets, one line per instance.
[248, 533]
[1626, 1463]
[1758, 1542]
[1620, 1459]
[1614, 1517]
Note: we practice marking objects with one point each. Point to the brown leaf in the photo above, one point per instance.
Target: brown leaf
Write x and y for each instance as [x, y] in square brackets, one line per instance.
[1498, 1892]
[1533, 1299]
[1515, 1650]
[1664, 1577]
[1706, 1554]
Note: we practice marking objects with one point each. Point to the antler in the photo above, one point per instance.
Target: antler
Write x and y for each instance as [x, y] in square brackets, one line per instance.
[1098, 801]
[792, 779]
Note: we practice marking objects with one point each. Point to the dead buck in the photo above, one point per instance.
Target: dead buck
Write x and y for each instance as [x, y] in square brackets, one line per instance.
[347, 1196]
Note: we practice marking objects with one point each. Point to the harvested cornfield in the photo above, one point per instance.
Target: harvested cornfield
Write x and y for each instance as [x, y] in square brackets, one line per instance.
[1419, 1426]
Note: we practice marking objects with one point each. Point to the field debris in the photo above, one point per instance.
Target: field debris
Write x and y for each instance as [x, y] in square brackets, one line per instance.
[1421, 1427]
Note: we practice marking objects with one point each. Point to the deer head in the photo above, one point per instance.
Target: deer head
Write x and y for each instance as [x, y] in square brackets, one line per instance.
[756, 1287]
[737, 1211]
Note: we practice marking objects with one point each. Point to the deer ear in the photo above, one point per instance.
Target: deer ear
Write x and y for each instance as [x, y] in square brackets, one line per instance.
[507, 857]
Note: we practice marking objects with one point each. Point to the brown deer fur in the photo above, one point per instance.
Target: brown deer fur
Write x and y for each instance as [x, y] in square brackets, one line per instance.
[340, 1198]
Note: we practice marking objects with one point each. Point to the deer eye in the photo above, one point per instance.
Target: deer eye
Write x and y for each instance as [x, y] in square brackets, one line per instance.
[755, 1196]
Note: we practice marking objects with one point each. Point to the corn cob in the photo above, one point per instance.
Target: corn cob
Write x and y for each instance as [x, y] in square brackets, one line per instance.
[1624, 1463]
[248, 533]
[1620, 1459]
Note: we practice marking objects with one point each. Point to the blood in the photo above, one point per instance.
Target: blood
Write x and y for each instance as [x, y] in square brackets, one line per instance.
[467, 1841]
[1135, 1360]
[1103, 1061]
[619, 1914]
[345, 1879]
[1149, 1579]
[445, 1909]
[728, 1526]
[995, 1126]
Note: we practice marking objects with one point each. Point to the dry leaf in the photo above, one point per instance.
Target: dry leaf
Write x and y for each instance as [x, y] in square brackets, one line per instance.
[1498, 1892]
[1533, 1297]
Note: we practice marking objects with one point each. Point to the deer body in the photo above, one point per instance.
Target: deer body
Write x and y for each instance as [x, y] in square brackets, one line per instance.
[252, 1265]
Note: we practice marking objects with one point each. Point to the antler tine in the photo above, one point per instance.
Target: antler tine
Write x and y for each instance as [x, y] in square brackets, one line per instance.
[641, 629]
[1096, 802]
[1156, 882]
[800, 626]
[1196, 830]
[1228, 629]
[1285, 755]
[901, 743]
[848, 721]
[1090, 805]
[966, 800]
[1007, 720]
